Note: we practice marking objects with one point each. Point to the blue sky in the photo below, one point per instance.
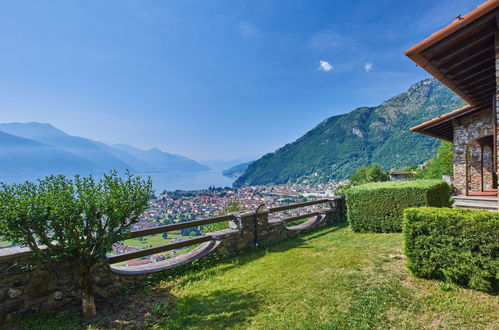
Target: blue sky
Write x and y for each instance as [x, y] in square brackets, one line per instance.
[208, 79]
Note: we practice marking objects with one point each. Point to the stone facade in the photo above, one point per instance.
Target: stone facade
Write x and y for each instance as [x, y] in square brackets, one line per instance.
[468, 133]
[28, 286]
[497, 102]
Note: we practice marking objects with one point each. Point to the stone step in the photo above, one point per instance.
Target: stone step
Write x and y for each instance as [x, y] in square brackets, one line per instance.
[477, 206]
[484, 199]
[477, 202]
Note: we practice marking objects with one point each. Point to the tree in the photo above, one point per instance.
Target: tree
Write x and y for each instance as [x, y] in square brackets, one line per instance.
[440, 165]
[366, 174]
[363, 174]
[74, 220]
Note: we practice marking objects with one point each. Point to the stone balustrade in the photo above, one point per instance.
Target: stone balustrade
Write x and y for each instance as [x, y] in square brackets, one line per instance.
[27, 285]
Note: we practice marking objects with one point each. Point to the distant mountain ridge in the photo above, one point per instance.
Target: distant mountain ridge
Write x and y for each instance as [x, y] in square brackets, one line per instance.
[40, 149]
[236, 171]
[340, 144]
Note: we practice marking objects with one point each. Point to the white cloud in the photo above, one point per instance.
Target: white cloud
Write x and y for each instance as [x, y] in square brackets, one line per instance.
[325, 66]
[368, 66]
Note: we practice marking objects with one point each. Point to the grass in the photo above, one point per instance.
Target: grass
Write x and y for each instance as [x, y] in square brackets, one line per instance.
[4, 244]
[152, 240]
[330, 279]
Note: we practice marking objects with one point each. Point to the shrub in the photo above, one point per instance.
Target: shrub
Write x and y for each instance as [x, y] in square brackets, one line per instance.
[362, 175]
[378, 207]
[77, 220]
[455, 245]
[440, 165]
[366, 174]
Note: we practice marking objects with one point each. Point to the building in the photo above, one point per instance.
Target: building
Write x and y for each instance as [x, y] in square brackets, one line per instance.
[464, 56]
[401, 175]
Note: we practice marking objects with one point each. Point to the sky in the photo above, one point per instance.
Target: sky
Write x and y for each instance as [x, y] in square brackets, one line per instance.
[208, 79]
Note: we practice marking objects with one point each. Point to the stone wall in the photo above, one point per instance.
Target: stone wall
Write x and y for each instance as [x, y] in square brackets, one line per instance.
[466, 131]
[497, 102]
[28, 286]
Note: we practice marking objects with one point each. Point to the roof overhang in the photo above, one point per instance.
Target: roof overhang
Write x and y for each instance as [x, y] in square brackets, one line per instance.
[462, 55]
[441, 127]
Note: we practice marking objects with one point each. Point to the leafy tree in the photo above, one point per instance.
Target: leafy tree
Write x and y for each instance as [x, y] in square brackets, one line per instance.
[366, 174]
[363, 174]
[73, 220]
[441, 164]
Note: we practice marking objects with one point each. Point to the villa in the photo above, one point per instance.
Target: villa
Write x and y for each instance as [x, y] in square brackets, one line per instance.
[464, 56]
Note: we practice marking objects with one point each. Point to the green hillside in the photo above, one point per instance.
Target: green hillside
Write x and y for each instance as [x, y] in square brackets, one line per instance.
[340, 144]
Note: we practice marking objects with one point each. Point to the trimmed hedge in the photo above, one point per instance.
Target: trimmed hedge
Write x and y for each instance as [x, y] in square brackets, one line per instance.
[455, 245]
[379, 206]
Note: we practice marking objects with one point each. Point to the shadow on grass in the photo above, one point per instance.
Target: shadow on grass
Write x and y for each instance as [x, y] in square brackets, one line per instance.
[226, 264]
[218, 309]
[222, 308]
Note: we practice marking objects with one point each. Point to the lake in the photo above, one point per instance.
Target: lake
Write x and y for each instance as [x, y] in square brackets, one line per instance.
[163, 180]
[189, 181]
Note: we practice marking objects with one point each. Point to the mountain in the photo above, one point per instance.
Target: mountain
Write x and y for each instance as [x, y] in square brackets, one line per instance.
[221, 165]
[340, 144]
[22, 156]
[30, 150]
[81, 147]
[162, 161]
[236, 171]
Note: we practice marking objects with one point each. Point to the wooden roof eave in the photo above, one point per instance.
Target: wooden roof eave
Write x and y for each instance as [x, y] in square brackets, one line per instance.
[450, 55]
[453, 27]
[425, 64]
[436, 127]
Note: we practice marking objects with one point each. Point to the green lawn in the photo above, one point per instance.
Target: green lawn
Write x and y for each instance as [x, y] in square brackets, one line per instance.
[4, 244]
[153, 240]
[330, 279]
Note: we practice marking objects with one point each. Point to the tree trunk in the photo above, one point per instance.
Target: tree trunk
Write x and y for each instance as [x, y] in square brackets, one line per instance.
[87, 291]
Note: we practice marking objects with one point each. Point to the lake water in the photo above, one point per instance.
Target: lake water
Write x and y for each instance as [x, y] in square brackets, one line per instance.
[191, 181]
[163, 180]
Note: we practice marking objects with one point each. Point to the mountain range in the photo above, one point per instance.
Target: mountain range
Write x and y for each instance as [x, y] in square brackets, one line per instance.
[340, 144]
[36, 149]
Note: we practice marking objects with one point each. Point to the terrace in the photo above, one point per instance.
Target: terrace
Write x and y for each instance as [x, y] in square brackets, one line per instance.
[330, 278]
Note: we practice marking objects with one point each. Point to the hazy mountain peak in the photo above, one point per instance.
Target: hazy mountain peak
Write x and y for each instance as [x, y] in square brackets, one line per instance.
[41, 149]
[30, 129]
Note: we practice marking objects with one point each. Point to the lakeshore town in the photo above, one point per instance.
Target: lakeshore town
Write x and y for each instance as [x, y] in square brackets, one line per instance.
[171, 207]
[181, 206]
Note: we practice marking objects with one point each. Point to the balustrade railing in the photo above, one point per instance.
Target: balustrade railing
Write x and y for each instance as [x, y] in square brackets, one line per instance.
[209, 237]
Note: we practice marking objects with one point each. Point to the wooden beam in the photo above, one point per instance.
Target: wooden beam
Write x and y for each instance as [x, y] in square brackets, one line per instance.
[480, 40]
[477, 30]
[471, 67]
[482, 73]
[485, 92]
[483, 86]
[477, 82]
[297, 205]
[157, 249]
[181, 225]
[463, 59]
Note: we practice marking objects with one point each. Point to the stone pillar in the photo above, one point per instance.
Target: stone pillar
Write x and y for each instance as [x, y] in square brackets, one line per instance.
[487, 167]
[459, 164]
[496, 103]
[475, 167]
